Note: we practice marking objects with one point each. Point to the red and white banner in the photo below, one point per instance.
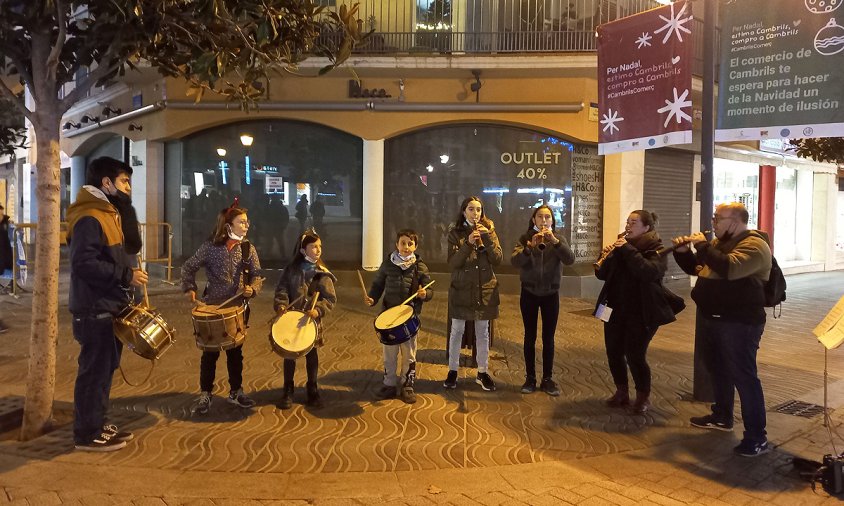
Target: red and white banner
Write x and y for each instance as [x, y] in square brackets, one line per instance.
[645, 80]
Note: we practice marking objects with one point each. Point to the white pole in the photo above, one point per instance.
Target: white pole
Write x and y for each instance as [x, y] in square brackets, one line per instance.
[373, 204]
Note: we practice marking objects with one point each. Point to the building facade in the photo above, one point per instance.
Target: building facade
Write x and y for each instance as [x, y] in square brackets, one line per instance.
[494, 99]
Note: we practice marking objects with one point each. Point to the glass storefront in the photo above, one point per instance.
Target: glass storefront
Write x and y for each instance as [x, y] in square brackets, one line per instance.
[289, 175]
[737, 182]
[429, 172]
[785, 216]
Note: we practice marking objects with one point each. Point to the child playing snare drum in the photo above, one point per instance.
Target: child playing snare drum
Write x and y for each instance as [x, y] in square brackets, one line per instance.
[231, 264]
[305, 277]
[401, 275]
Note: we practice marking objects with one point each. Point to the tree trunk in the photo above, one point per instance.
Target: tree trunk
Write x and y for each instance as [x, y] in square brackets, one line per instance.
[41, 381]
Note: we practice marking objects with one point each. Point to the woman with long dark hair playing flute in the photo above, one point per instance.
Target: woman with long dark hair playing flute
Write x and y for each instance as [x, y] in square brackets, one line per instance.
[540, 254]
[632, 306]
[473, 252]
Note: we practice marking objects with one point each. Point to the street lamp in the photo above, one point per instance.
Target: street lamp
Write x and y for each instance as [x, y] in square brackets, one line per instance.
[247, 140]
[221, 152]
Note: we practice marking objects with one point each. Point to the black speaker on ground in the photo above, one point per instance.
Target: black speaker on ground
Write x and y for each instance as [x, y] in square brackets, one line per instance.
[832, 477]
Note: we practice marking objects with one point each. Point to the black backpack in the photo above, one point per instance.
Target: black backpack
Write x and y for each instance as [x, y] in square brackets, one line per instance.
[775, 288]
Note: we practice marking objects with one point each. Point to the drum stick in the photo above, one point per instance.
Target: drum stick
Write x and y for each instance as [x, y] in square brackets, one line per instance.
[146, 295]
[414, 295]
[313, 304]
[295, 301]
[362, 284]
[200, 307]
[238, 294]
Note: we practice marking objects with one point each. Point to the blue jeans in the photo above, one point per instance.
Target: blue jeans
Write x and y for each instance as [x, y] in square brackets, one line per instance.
[729, 351]
[99, 357]
[481, 343]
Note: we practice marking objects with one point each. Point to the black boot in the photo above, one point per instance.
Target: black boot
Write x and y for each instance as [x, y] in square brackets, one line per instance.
[642, 403]
[407, 393]
[621, 397]
[286, 401]
[314, 400]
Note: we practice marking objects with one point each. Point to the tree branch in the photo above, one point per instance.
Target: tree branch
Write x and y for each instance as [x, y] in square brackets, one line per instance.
[15, 100]
[88, 83]
[56, 52]
[252, 47]
[190, 36]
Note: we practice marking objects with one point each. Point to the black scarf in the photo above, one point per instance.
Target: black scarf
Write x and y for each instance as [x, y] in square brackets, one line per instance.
[649, 241]
[132, 241]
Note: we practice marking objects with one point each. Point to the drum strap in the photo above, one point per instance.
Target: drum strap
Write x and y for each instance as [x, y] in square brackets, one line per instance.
[123, 373]
[244, 258]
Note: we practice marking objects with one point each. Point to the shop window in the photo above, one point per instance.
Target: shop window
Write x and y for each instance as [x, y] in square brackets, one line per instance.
[275, 166]
[429, 172]
[786, 215]
[737, 182]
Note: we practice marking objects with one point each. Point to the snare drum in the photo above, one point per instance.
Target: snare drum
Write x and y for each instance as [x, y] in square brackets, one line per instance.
[218, 329]
[293, 334]
[397, 325]
[144, 331]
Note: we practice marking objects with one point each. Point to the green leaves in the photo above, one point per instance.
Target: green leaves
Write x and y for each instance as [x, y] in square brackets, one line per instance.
[12, 131]
[222, 46]
[234, 44]
[821, 149]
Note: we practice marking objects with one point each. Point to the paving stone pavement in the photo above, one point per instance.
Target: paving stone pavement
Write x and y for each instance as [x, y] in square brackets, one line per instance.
[464, 446]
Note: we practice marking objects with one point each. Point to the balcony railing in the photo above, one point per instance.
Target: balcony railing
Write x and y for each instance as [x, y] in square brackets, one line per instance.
[486, 26]
[491, 26]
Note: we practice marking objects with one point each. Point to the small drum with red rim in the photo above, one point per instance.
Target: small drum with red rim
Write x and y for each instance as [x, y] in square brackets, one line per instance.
[293, 334]
[218, 329]
[397, 325]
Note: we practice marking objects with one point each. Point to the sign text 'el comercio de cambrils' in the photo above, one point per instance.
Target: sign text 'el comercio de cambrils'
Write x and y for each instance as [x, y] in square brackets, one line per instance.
[782, 70]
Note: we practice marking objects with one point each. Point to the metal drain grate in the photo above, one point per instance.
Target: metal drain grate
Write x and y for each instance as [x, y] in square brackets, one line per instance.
[797, 408]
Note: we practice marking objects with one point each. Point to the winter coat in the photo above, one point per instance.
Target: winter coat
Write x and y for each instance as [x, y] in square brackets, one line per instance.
[397, 285]
[540, 269]
[473, 292]
[296, 289]
[633, 288]
[731, 276]
[224, 269]
[99, 274]
[302, 210]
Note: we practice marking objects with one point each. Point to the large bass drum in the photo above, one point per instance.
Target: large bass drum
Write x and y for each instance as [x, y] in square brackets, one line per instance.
[144, 331]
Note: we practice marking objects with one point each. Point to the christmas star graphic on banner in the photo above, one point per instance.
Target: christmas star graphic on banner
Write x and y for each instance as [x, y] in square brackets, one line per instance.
[644, 81]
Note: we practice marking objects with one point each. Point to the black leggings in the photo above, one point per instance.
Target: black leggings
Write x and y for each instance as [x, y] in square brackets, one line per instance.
[208, 368]
[531, 305]
[627, 346]
[311, 366]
